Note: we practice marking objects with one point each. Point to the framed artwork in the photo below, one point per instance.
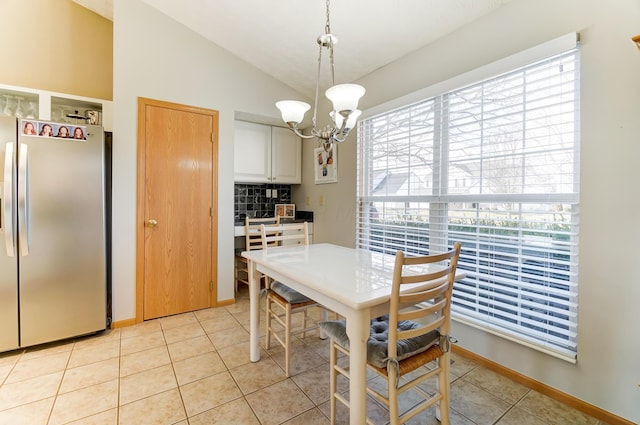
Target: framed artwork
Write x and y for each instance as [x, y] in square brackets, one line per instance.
[285, 210]
[326, 164]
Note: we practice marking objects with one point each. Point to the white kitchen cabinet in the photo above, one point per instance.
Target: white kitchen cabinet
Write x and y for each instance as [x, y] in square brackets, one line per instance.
[51, 106]
[252, 153]
[286, 156]
[266, 154]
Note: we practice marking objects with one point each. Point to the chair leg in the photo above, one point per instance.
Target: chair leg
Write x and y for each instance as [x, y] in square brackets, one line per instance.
[235, 275]
[333, 380]
[304, 323]
[287, 340]
[392, 397]
[268, 324]
[442, 408]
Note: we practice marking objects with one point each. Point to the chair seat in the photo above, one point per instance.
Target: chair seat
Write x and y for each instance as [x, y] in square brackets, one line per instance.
[377, 345]
[414, 362]
[290, 295]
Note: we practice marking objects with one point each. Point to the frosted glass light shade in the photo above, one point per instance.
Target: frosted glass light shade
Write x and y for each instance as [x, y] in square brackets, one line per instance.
[292, 110]
[345, 97]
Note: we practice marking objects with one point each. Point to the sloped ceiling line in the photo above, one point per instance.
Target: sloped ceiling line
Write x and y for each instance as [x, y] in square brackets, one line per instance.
[278, 36]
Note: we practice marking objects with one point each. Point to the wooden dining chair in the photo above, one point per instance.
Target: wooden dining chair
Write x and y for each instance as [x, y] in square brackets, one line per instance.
[253, 240]
[413, 334]
[287, 300]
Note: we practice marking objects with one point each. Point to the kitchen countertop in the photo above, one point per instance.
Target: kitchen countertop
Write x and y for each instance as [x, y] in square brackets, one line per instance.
[282, 220]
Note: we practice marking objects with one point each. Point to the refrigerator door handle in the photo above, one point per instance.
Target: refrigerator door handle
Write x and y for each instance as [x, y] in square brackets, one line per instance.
[23, 200]
[7, 203]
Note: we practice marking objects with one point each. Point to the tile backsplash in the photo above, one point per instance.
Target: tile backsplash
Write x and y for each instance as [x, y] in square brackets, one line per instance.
[251, 200]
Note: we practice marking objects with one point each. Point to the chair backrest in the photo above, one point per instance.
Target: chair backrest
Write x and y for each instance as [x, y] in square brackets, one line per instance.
[429, 302]
[293, 233]
[252, 235]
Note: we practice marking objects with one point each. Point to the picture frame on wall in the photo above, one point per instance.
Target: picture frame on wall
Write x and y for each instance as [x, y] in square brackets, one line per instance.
[285, 210]
[325, 165]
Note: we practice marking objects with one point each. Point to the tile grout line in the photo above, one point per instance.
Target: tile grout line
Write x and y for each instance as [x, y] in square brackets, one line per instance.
[243, 395]
[55, 397]
[512, 406]
[314, 405]
[175, 375]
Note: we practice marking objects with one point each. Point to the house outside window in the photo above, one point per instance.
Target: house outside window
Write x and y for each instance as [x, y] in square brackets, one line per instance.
[494, 165]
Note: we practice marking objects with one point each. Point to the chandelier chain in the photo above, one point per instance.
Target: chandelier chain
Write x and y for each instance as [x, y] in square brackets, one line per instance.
[327, 26]
[328, 30]
[328, 43]
[315, 104]
[344, 97]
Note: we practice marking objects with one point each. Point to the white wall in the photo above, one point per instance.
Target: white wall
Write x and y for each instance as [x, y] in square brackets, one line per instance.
[607, 373]
[155, 57]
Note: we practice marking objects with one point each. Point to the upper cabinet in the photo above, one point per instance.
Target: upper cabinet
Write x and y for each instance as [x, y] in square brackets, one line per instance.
[266, 154]
[29, 103]
[252, 153]
[286, 156]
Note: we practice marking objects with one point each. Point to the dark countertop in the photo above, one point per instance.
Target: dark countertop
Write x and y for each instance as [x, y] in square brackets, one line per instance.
[282, 220]
[301, 216]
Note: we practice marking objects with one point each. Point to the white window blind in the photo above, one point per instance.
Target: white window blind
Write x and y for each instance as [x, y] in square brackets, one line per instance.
[494, 165]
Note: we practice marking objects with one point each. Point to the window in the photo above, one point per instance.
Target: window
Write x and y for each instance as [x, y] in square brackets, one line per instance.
[494, 165]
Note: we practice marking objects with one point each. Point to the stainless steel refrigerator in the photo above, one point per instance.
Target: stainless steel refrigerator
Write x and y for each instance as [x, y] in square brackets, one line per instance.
[52, 232]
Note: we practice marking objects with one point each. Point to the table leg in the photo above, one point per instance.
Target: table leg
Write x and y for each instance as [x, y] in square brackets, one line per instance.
[254, 308]
[358, 333]
[324, 316]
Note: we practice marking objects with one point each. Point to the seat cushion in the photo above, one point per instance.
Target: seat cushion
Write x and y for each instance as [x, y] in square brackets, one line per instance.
[291, 295]
[378, 343]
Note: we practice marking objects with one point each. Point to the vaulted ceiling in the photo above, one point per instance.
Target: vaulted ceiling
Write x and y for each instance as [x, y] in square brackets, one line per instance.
[279, 36]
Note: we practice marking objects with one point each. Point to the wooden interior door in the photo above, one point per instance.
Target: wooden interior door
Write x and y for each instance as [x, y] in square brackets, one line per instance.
[176, 220]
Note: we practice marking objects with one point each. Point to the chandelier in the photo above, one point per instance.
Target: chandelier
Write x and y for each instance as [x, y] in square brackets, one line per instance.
[344, 97]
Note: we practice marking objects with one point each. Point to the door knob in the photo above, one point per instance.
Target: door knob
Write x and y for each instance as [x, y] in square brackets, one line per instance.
[152, 223]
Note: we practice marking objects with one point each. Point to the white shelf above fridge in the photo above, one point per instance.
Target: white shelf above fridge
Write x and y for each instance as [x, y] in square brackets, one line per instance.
[43, 104]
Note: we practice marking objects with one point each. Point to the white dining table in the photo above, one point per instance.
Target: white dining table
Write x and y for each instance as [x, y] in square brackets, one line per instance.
[354, 283]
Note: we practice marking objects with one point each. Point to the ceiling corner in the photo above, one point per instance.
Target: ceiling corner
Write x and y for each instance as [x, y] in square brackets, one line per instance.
[103, 8]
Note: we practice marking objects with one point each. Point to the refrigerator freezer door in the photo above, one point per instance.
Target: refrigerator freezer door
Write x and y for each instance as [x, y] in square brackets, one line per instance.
[63, 277]
[8, 200]
[8, 260]
[23, 199]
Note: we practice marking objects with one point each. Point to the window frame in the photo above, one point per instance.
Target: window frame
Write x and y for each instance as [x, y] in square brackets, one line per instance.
[439, 203]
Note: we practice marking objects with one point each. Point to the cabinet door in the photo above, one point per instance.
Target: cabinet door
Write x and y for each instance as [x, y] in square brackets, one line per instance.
[286, 156]
[252, 152]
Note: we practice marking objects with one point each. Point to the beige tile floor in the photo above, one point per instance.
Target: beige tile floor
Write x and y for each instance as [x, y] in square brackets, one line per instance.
[194, 369]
